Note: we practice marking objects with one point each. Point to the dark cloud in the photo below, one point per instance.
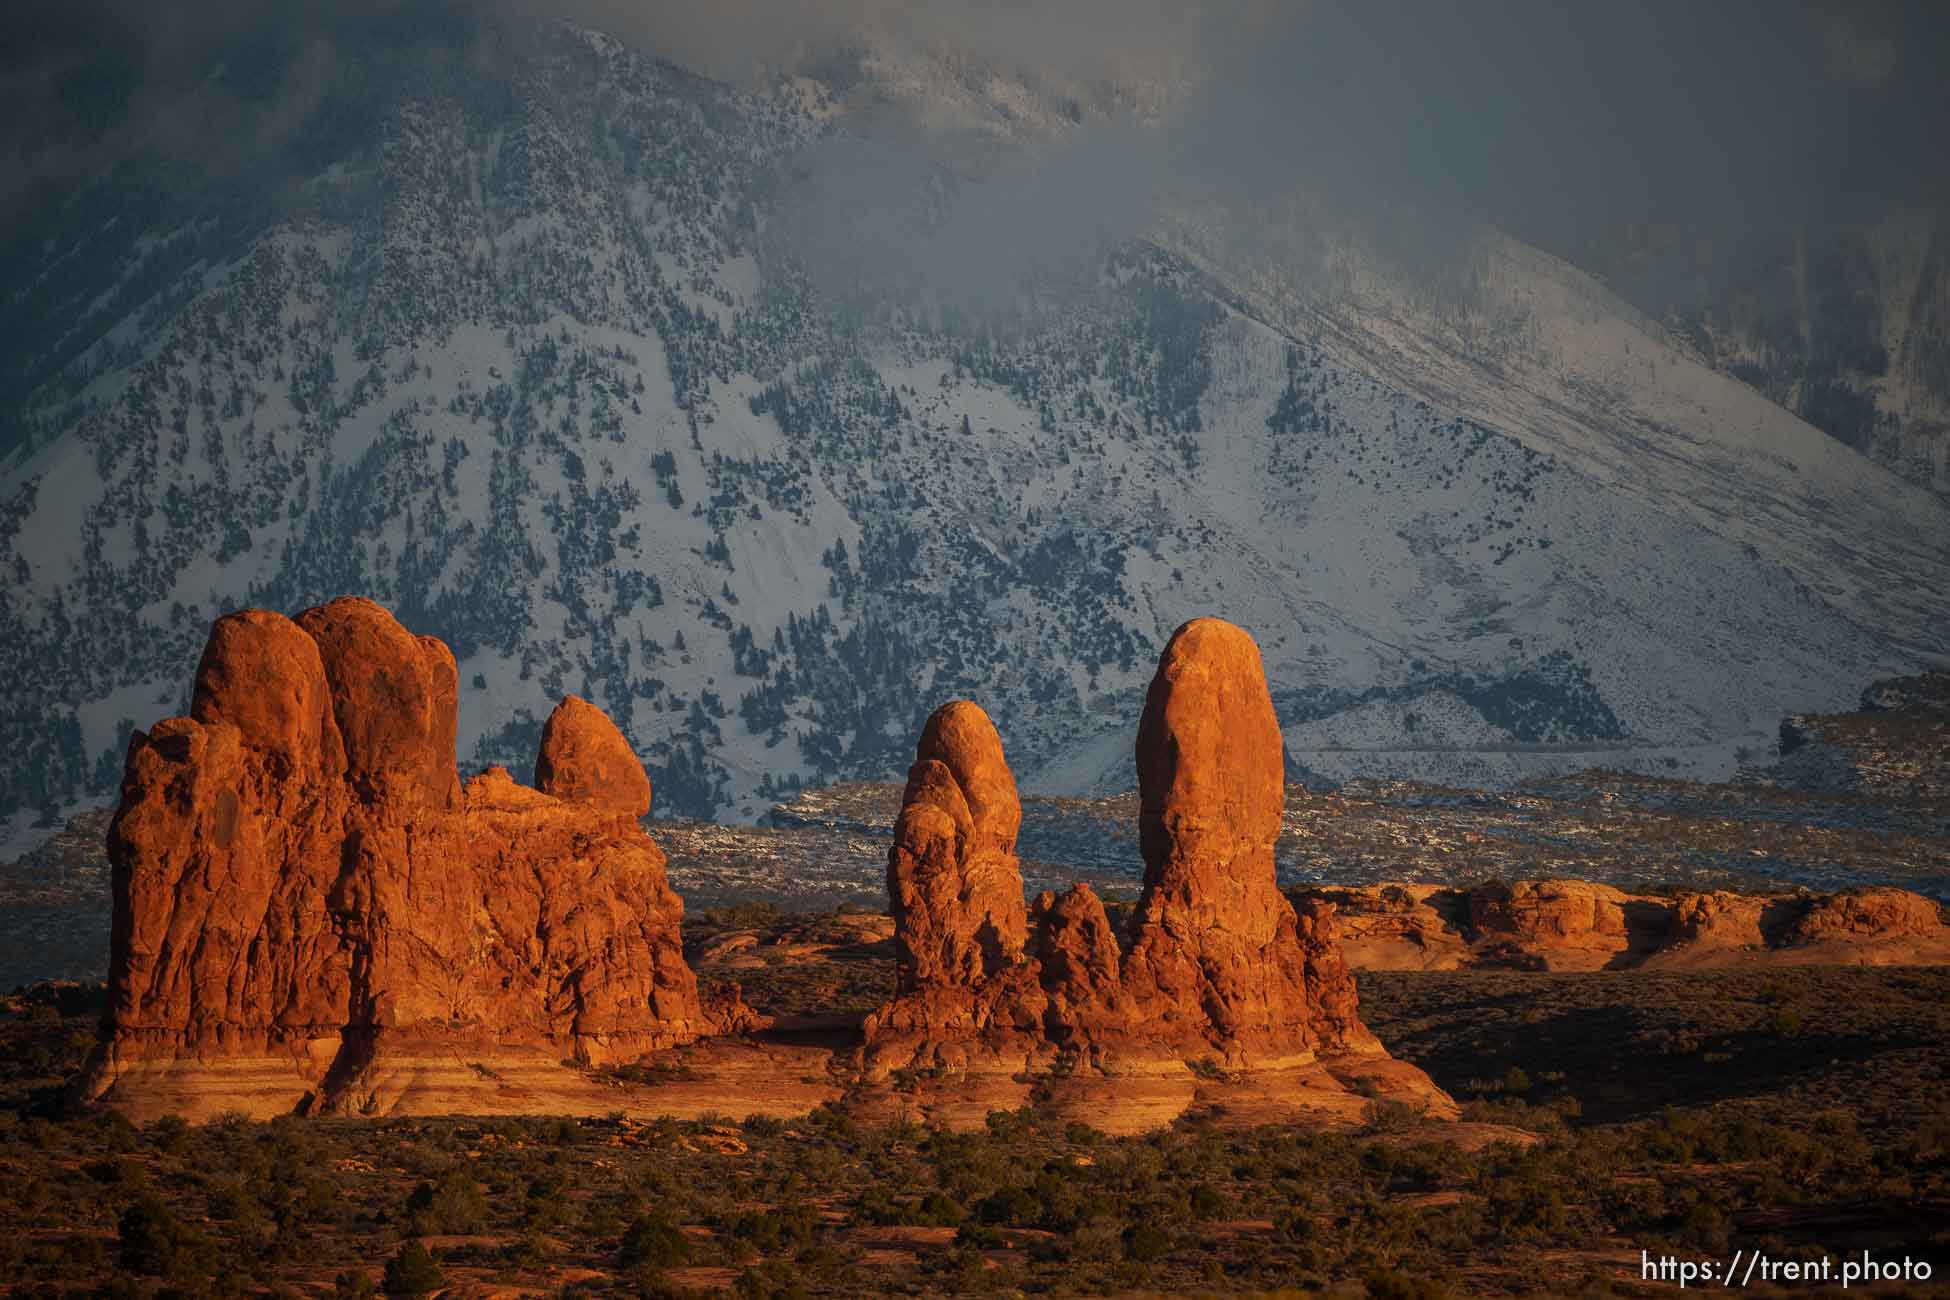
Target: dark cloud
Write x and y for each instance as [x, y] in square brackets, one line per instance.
[1077, 37]
[1410, 125]
[1552, 120]
[900, 210]
[219, 84]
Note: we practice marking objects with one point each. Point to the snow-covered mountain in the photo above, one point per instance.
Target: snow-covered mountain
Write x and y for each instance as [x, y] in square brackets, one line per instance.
[1848, 327]
[530, 358]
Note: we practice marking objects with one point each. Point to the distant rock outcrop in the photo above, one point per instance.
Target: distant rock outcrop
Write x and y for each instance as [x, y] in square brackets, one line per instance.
[1868, 919]
[1895, 750]
[1924, 693]
[1578, 925]
[310, 912]
[1217, 972]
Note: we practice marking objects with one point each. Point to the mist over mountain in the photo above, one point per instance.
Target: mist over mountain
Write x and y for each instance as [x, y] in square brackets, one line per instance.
[1542, 387]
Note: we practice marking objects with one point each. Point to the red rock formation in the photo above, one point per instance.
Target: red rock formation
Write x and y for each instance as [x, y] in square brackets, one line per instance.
[1217, 968]
[304, 895]
[1218, 962]
[585, 759]
[1717, 922]
[960, 924]
[953, 876]
[1855, 916]
[1082, 967]
[1569, 924]
[1396, 927]
[396, 697]
[1579, 925]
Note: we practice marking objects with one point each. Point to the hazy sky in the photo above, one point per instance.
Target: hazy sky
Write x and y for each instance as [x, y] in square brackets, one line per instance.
[1553, 119]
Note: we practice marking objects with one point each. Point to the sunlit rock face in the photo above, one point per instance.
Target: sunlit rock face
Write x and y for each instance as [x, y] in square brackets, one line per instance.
[1216, 970]
[960, 924]
[585, 759]
[1580, 925]
[953, 877]
[1217, 954]
[311, 911]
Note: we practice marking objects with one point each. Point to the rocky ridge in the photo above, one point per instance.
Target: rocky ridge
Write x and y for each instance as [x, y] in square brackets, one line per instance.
[1579, 925]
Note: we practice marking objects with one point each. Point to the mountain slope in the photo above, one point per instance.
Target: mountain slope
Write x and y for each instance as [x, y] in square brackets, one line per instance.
[1846, 325]
[531, 362]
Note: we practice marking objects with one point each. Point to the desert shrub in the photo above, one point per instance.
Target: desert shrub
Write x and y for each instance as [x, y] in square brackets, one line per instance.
[652, 1242]
[1705, 1226]
[153, 1242]
[114, 1131]
[820, 1262]
[834, 1121]
[545, 1204]
[772, 1281]
[1061, 1202]
[114, 1173]
[741, 916]
[1387, 1284]
[171, 1134]
[789, 1227]
[530, 1250]
[1388, 1115]
[1207, 1068]
[876, 1206]
[352, 1284]
[607, 1215]
[1010, 1205]
[1011, 1125]
[229, 1202]
[412, 1272]
[454, 1204]
[968, 1165]
[940, 1209]
[1145, 1242]
[1423, 1164]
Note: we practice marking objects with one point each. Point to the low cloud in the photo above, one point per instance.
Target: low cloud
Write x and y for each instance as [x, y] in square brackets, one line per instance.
[1412, 125]
[1562, 122]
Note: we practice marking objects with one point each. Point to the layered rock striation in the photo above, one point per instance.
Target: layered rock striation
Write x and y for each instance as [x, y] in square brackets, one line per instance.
[311, 912]
[1215, 970]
